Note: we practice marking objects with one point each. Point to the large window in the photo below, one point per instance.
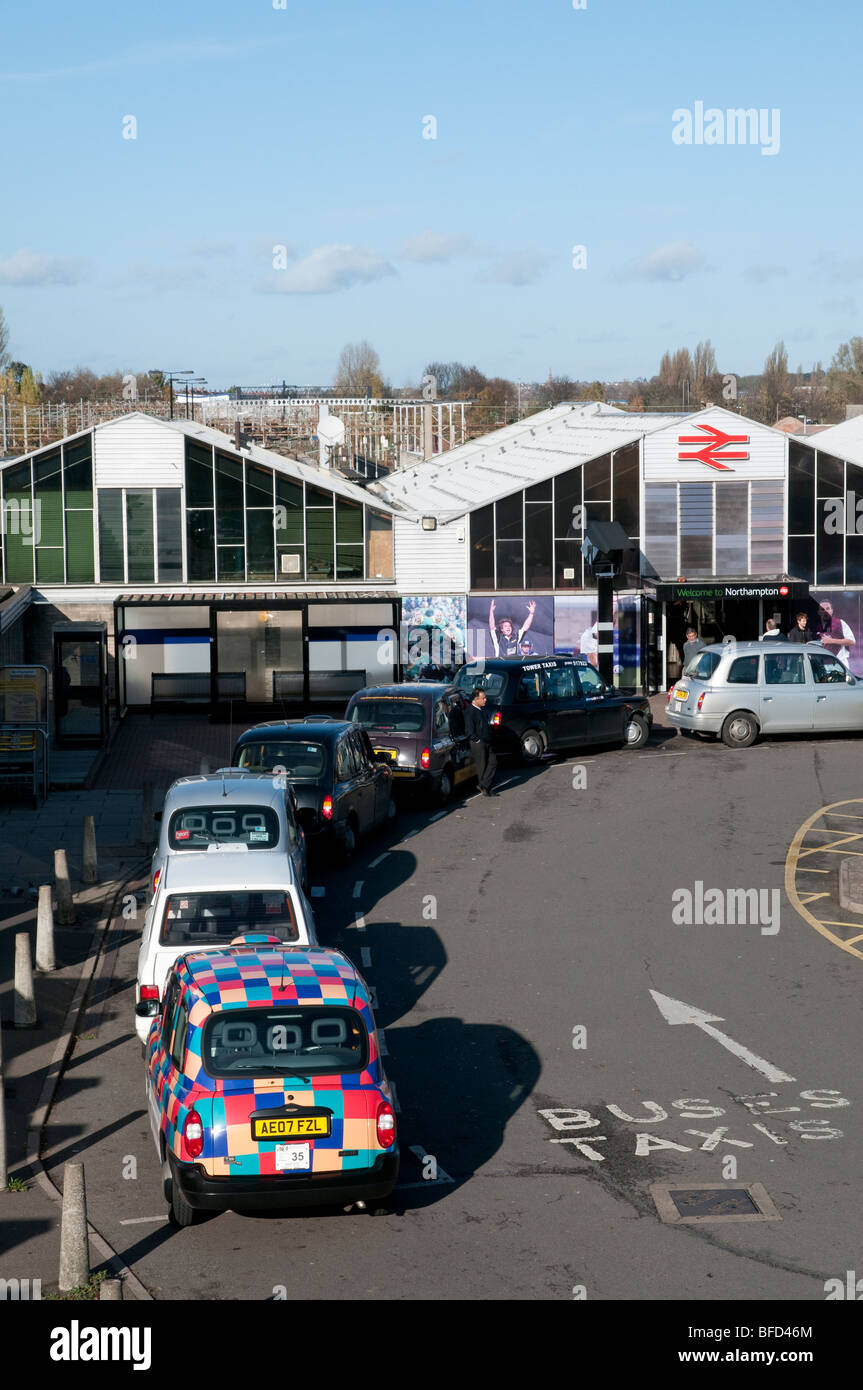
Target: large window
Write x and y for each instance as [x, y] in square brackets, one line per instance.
[48, 516]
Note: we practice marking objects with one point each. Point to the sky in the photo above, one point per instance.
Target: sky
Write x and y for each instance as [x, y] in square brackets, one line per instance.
[418, 175]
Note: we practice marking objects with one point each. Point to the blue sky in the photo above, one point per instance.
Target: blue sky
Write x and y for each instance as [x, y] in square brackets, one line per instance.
[303, 127]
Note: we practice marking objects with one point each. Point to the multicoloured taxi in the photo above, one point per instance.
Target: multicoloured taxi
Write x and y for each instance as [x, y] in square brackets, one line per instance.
[265, 1086]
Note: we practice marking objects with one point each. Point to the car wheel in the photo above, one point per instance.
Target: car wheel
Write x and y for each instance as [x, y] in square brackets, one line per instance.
[637, 731]
[349, 841]
[445, 786]
[739, 730]
[532, 746]
[182, 1214]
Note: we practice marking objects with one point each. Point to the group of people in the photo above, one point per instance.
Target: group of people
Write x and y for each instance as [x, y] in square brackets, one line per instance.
[832, 633]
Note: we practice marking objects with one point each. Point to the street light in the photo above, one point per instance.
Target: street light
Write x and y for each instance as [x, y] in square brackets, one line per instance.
[192, 381]
[171, 377]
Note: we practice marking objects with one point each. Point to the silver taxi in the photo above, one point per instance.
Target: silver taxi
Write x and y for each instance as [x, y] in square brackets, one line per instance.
[740, 690]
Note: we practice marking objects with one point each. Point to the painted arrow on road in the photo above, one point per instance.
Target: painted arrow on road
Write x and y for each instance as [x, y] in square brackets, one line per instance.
[673, 1011]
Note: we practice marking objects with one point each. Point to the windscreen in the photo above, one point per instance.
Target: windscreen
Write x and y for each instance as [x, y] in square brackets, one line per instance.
[281, 1041]
[390, 716]
[213, 919]
[255, 826]
[702, 665]
[302, 761]
[492, 682]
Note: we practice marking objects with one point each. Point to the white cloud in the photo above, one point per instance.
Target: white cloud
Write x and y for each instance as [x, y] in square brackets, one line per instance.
[516, 268]
[760, 274]
[32, 268]
[328, 269]
[672, 262]
[430, 246]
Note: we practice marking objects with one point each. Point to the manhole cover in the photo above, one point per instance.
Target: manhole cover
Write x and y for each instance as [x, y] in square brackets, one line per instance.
[678, 1205]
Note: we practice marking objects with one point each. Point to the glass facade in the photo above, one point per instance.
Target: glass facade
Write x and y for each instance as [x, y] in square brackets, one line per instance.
[532, 539]
[721, 528]
[243, 523]
[825, 524]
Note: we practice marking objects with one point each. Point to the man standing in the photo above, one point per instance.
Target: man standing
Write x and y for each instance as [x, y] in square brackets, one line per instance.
[771, 629]
[836, 634]
[692, 646]
[802, 632]
[479, 733]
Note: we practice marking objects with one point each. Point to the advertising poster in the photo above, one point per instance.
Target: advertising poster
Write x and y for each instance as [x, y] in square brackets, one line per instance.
[576, 633]
[510, 626]
[433, 631]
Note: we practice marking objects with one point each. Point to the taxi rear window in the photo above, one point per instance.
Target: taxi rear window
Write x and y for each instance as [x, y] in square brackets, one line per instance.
[398, 716]
[285, 1040]
[301, 760]
[213, 919]
[702, 665]
[255, 826]
[492, 682]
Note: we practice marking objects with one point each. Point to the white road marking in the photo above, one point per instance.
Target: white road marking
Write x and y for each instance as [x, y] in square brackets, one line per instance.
[319, 892]
[358, 888]
[410, 834]
[380, 859]
[438, 815]
[674, 1011]
[422, 1155]
[141, 1220]
[365, 955]
[359, 923]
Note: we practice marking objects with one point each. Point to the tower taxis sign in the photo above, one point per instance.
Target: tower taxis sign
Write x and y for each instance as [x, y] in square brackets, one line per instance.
[714, 449]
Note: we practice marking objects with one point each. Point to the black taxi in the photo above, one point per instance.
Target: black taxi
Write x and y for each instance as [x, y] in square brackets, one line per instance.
[545, 704]
[418, 726]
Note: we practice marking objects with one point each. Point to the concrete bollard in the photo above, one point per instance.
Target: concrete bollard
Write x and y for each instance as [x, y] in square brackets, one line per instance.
[45, 930]
[65, 905]
[89, 859]
[74, 1247]
[147, 813]
[25, 999]
[4, 1165]
[111, 1289]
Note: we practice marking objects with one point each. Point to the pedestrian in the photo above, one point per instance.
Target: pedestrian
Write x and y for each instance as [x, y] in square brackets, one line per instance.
[479, 733]
[801, 632]
[771, 629]
[836, 634]
[692, 646]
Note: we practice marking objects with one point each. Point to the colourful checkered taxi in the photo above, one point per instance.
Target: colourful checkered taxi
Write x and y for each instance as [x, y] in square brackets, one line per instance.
[265, 1086]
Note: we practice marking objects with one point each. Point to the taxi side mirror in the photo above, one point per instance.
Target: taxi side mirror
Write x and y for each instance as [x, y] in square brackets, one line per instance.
[148, 1008]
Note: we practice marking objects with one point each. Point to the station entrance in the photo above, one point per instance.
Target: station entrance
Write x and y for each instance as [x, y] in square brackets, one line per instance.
[720, 610]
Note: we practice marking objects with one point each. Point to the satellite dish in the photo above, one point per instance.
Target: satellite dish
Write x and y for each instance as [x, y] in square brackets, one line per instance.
[331, 430]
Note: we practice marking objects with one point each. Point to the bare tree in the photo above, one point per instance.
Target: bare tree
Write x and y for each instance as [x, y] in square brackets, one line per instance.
[845, 375]
[776, 390]
[358, 370]
[703, 367]
[4, 340]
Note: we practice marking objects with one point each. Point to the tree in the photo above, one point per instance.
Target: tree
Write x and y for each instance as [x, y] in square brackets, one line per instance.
[845, 374]
[703, 370]
[4, 341]
[559, 388]
[358, 370]
[594, 392]
[777, 398]
[30, 387]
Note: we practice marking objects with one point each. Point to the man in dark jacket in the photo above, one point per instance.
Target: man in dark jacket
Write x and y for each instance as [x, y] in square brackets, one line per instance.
[802, 632]
[479, 733]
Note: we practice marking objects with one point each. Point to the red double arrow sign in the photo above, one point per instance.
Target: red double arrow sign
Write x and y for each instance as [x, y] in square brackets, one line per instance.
[717, 439]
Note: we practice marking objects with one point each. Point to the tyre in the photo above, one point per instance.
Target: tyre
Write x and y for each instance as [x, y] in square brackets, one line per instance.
[637, 731]
[445, 786]
[349, 841]
[739, 730]
[532, 746]
[182, 1214]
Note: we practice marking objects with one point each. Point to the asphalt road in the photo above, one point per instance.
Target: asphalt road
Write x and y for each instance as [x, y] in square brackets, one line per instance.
[514, 945]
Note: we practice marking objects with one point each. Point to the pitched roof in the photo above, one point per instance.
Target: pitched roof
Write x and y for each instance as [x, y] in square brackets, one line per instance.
[844, 441]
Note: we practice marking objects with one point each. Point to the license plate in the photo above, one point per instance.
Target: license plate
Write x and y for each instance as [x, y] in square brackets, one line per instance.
[403, 772]
[289, 1126]
[681, 694]
[388, 753]
[293, 1157]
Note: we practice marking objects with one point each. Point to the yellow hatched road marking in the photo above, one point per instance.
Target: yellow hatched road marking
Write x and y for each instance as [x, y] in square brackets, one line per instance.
[796, 852]
[811, 897]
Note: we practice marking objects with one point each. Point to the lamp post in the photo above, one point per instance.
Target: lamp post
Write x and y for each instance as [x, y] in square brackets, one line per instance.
[171, 377]
[193, 381]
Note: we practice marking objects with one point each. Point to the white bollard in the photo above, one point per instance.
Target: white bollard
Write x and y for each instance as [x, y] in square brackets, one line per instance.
[89, 859]
[45, 930]
[25, 999]
[65, 905]
[74, 1247]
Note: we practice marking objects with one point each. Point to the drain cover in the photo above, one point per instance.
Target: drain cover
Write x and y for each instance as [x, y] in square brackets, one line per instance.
[713, 1202]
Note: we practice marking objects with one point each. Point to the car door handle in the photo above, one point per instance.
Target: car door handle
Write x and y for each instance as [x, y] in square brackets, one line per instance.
[766, 699]
[819, 698]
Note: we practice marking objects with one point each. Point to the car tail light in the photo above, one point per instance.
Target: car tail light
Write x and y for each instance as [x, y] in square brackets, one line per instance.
[700, 701]
[193, 1134]
[327, 808]
[495, 719]
[425, 757]
[386, 1125]
[156, 876]
[149, 992]
[669, 695]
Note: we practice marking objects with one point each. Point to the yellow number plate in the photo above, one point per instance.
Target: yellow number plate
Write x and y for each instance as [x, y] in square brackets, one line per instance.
[681, 694]
[291, 1127]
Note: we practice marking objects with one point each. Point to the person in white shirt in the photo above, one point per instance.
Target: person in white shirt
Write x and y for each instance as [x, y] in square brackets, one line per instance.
[836, 634]
[588, 644]
[771, 629]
